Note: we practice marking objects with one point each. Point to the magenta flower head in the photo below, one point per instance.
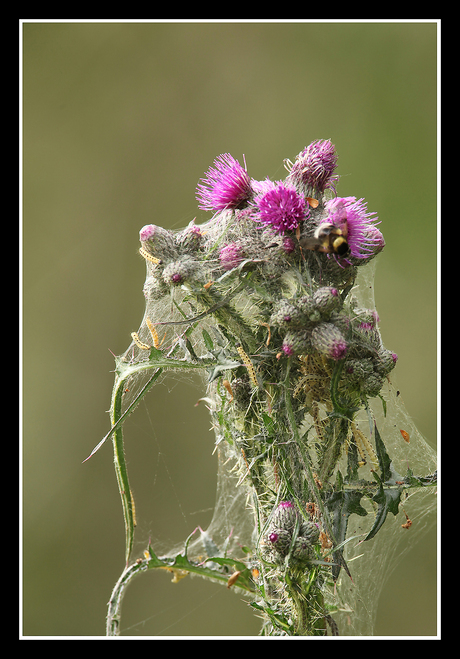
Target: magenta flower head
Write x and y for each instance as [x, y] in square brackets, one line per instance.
[281, 207]
[314, 167]
[226, 185]
[350, 214]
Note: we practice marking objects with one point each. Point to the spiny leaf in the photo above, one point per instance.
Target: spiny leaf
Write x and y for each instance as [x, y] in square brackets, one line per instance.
[388, 500]
[217, 571]
[382, 456]
[342, 504]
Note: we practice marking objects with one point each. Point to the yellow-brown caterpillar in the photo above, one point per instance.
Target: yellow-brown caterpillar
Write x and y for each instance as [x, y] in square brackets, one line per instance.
[154, 333]
[148, 257]
[138, 342]
[249, 366]
[363, 443]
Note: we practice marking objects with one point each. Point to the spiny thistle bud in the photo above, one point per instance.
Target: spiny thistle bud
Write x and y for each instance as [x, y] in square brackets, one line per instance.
[231, 256]
[314, 167]
[302, 551]
[154, 288]
[281, 541]
[297, 343]
[357, 370]
[386, 361]
[306, 305]
[328, 340]
[289, 244]
[310, 531]
[281, 534]
[190, 239]
[371, 385]
[286, 314]
[341, 321]
[326, 300]
[177, 272]
[285, 516]
[365, 374]
[157, 241]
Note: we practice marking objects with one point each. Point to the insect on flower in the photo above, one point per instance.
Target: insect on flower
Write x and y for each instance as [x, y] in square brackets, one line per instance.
[329, 239]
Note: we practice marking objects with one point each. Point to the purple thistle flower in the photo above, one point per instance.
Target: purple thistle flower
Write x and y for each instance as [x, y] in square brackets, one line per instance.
[363, 238]
[226, 185]
[314, 166]
[281, 207]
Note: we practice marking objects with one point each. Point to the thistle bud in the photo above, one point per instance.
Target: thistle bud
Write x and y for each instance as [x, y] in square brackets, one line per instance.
[341, 321]
[297, 343]
[230, 256]
[310, 532]
[177, 272]
[326, 300]
[281, 534]
[158, 241]
[281, 541]
[190, 239]
[306, 305]
[241, 393]
[285, 516]
[302, 551]
[357, 370]
[328, 340]
[314, 167]
[287, 315]
[386, 361]
[371, 385]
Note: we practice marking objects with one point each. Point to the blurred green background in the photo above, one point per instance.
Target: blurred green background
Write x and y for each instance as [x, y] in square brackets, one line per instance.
[120, 122]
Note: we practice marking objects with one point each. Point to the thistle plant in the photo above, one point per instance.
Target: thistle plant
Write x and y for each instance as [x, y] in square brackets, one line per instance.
[266, 300]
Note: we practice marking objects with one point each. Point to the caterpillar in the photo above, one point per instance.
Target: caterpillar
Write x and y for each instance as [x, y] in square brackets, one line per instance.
[133, 508]
[138, 342]
[154, 333]
[363, 443]
[249, 366]
[148, 257]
